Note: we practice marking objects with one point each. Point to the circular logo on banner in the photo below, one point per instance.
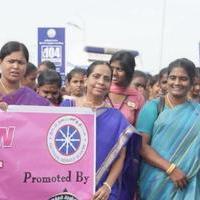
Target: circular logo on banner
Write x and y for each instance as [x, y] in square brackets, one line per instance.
[51, 33]
[64, 196]
[67, 139]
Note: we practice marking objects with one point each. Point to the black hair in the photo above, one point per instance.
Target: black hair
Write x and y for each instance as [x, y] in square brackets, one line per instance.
[49, 64]
[30, 67]
[162, 72]
[13, 46]
[138, 73]
[76, 70]
[186, 64]
[148, 76]
[127, 61]
[154, 79]
[92, 66]
[49, 77]
[197, 72]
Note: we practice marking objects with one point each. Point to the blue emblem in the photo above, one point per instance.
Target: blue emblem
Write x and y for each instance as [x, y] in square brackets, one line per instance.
[67, 140]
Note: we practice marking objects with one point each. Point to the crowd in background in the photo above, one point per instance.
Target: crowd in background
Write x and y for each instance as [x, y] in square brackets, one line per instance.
[160, 159]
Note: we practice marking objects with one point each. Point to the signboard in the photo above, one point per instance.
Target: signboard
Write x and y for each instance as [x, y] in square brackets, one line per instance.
[51, 46]
[47, 154]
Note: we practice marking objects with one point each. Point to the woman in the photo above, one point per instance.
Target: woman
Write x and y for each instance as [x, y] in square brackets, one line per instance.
[49, 85]
[139, 82]
[111, 135]
[194, 93]
[163, 81]
[75, 82]
[14, 57]
[30, 76]
[129, 101]
[170, 148]
[154, 87]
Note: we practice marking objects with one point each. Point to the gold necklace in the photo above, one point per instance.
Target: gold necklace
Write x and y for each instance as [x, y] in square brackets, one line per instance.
[171, 105]
[4, 87]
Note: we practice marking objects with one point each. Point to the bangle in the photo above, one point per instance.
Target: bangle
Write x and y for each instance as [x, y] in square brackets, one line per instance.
[171, 169]
[108, 186]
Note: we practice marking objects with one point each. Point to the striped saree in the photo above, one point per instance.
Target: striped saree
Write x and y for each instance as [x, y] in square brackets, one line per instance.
[113, 132]
[176, 137]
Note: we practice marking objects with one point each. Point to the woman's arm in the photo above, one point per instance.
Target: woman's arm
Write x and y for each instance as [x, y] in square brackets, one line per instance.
[104, 191]
[3, 106]
[154, 159]
[151, 156]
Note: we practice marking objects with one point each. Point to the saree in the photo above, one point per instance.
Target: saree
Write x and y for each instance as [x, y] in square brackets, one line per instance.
[130, 109]
[132, 104]
[113, 132]
[176, 137]
[24, 96]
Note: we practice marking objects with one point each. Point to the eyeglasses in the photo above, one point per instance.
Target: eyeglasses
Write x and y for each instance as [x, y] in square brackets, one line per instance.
[118, 69]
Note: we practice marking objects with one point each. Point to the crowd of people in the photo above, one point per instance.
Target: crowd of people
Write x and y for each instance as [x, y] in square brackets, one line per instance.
[147, 126]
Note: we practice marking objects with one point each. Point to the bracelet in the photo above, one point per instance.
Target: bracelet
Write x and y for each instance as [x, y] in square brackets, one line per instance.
[108, 186]
[171, 169]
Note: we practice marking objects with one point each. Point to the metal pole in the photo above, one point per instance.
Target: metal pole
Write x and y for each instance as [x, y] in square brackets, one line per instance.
[162, 34]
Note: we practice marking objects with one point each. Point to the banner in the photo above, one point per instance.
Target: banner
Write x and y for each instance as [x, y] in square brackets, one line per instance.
[51, 46]
[47, 153]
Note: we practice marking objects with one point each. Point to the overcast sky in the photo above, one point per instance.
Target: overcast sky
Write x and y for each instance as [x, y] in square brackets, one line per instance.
[161, 30]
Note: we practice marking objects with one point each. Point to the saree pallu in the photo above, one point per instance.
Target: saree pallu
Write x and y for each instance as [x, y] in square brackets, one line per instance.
[131, 106]
[24, 96]
[176, 137]
[113, 133]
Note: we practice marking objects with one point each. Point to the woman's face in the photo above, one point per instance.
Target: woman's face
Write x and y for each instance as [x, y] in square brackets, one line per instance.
[163, 84]
[13, 66]
[119, 75]
[139, 83]
[50, 92]
[98, 82]
[30, 80]
[155, 90]
[178, 83]
[196, 87]
[76, 85]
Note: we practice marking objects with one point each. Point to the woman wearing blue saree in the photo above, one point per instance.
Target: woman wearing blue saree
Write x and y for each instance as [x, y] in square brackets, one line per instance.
[112, 134]
[170, 149]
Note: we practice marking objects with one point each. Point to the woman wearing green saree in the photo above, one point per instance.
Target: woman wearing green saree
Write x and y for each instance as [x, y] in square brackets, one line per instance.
[171, 140]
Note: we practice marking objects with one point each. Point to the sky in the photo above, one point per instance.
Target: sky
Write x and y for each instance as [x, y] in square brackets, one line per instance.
[161, 30]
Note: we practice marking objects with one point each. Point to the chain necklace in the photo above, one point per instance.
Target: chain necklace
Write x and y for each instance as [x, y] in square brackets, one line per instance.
[121, 105]
[169, 102]
[4, 87]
